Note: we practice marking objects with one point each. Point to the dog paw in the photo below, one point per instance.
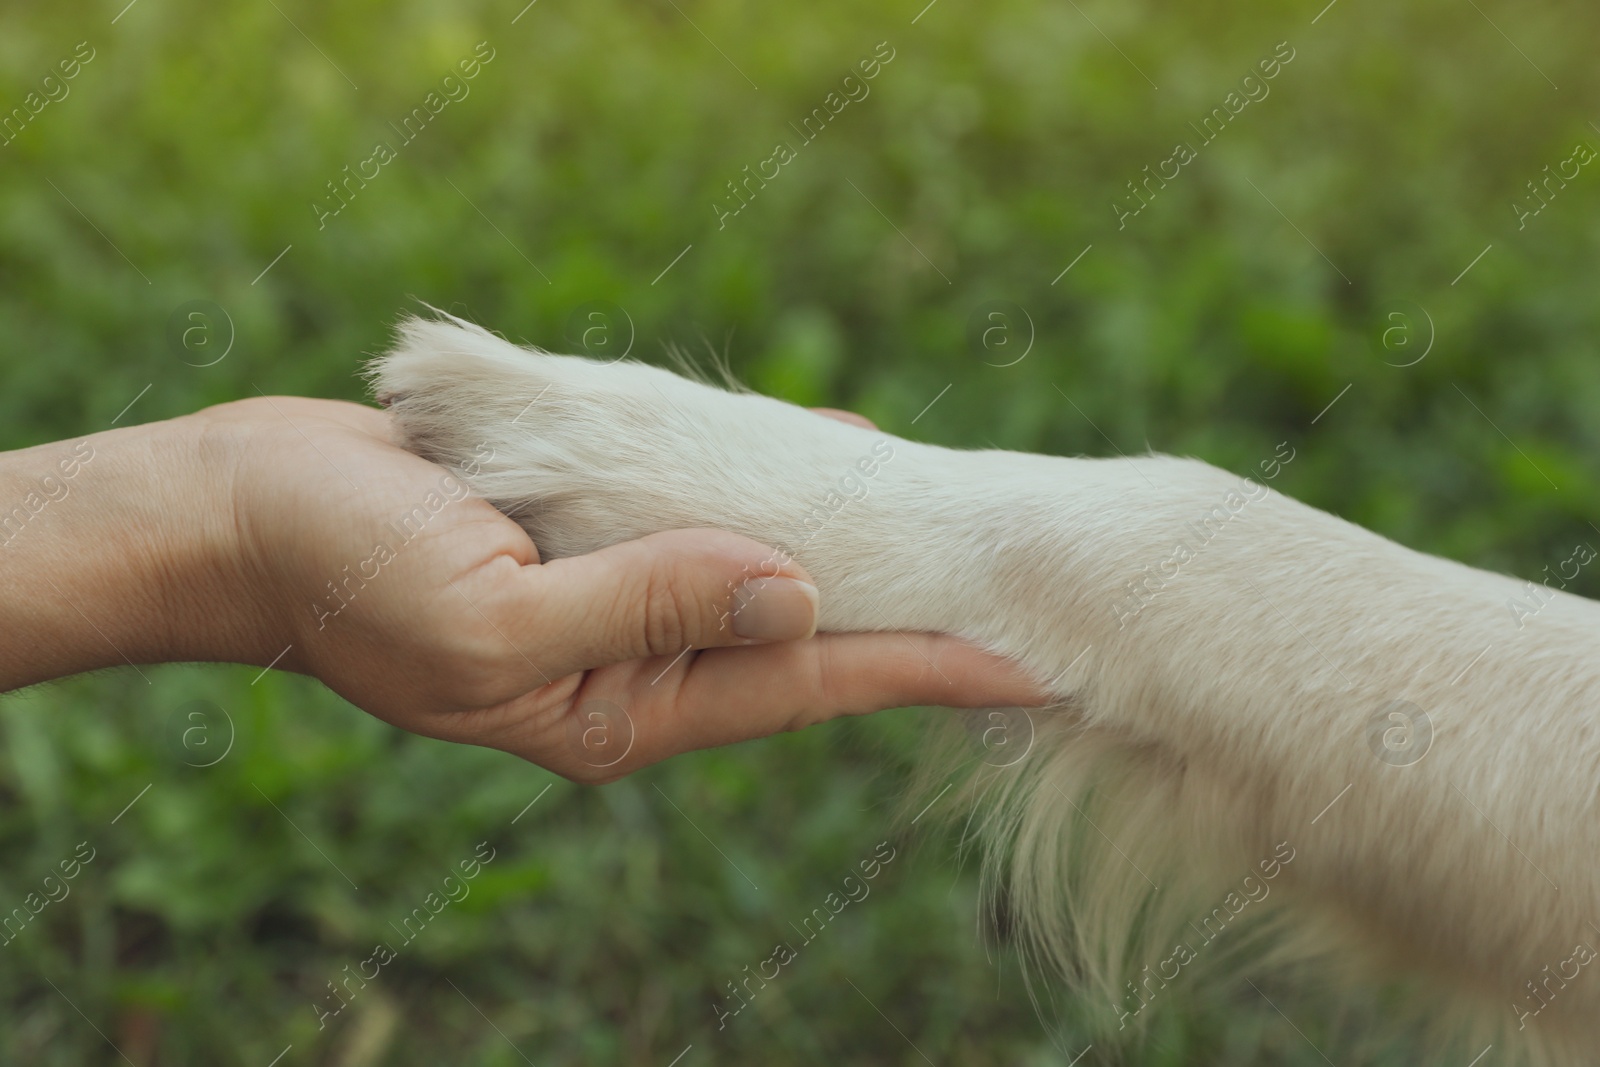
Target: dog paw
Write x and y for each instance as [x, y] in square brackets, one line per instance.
[585, 454]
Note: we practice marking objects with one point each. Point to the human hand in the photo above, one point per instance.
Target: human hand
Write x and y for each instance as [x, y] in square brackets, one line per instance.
[331, 551]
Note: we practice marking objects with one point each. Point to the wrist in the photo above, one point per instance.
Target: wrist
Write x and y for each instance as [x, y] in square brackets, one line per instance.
[117, 548]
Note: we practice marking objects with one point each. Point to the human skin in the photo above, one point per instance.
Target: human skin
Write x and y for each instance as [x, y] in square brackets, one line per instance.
[217, 536]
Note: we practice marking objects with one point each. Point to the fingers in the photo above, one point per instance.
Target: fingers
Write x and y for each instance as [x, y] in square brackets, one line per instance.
[660, 596]
[610, 722]
[737, 694]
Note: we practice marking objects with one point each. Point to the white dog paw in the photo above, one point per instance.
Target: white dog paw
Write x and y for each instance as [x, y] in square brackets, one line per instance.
[584, 454]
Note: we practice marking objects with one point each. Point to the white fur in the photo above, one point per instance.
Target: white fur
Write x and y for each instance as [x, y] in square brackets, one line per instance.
[1196, 738]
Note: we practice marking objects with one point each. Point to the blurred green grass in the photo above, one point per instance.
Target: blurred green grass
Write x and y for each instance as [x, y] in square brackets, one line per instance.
[1225, 318]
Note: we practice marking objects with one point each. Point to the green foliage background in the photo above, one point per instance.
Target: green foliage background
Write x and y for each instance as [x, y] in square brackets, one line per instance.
[593, 146]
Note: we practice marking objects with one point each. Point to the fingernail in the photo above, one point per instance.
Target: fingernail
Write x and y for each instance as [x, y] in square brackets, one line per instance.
[775, 609]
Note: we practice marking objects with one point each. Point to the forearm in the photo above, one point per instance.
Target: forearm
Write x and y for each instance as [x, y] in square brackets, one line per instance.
[116, 548]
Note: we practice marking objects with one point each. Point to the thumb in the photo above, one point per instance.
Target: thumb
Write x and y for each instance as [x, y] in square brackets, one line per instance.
[664, 594]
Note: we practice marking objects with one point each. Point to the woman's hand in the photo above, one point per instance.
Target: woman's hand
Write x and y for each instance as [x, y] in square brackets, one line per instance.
[295, 532]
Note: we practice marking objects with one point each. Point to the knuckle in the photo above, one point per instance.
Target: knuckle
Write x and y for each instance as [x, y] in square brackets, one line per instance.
[669, 607]
[819, 692]
[826, 686]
